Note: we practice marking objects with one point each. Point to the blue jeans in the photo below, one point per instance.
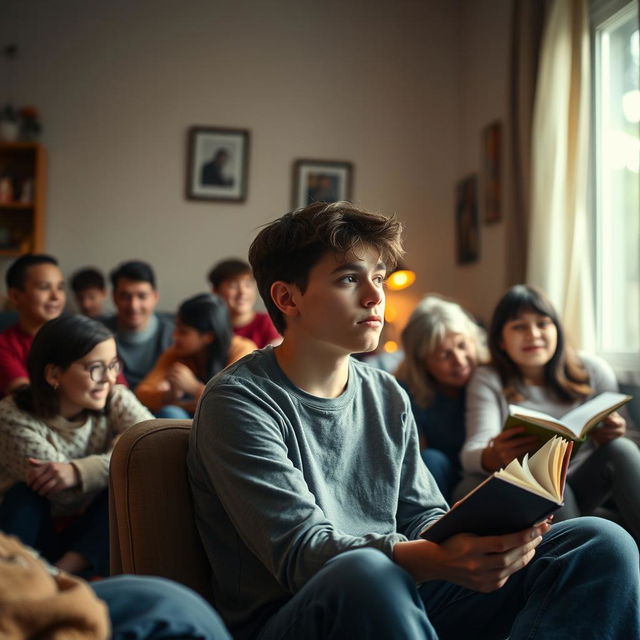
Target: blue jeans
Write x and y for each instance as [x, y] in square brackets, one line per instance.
[582, 583]
[148, 608]
[173, 412]
[445, 473]
[27, 515]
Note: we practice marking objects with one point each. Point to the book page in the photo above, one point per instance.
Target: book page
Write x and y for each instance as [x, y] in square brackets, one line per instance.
[547, 466]
[594, 410]
[540, 473]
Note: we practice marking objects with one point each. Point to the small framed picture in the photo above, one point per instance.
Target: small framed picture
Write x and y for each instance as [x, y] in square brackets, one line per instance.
[492, 170]
[217, 164]
[467, 229]
[321, 181]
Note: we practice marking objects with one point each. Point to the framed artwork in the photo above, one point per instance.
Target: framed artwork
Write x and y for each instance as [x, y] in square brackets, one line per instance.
[467, 228]
[217, 164]
[492, 170]
[321, 181]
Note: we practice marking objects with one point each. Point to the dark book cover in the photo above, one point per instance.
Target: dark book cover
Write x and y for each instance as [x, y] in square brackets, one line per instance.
[494, 507]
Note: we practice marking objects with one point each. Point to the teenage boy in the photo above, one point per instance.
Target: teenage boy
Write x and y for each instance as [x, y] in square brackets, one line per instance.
[310, 492]
[141, 333]
[233, 281]
[35, 286]
[90, 292]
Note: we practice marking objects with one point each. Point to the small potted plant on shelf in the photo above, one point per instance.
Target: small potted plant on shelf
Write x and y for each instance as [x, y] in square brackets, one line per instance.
[9, 124]
[30, 126]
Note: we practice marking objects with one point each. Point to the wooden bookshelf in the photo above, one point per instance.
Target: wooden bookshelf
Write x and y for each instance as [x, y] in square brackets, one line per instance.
[22, 215]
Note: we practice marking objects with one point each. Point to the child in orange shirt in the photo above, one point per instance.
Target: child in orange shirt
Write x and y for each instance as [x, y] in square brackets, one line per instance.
[203, 345]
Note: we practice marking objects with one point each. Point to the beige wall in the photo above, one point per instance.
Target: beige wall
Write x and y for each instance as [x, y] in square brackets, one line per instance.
[400, 89]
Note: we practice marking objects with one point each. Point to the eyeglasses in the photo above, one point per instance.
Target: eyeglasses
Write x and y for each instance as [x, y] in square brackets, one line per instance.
[99, 370]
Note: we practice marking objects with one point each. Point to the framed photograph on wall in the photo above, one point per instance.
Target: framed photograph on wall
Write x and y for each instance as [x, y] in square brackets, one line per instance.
[321, 181]
[492, 172]
[467, 228]
[217, 164]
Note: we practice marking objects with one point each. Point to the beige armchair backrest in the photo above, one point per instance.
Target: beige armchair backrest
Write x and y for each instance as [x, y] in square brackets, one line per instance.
[152, 527]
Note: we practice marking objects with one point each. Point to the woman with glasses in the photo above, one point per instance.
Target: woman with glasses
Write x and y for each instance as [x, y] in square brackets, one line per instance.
[56, 436]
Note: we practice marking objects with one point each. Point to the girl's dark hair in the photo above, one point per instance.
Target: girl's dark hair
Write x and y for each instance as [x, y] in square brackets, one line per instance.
[564, 374]
[60, 342]
[208, 313]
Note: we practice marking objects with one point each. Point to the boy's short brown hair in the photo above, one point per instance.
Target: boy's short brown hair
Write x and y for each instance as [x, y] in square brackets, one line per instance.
[228, 269]
[288, 248]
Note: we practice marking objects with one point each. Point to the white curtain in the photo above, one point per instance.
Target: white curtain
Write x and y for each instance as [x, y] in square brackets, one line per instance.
[559, 258]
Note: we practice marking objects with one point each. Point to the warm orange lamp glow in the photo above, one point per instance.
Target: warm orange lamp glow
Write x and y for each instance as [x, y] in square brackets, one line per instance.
[401, 278]
[390, 346]
[390, 313]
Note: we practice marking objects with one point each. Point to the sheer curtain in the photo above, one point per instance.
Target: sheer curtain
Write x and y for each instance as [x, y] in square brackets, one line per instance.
[559, 259]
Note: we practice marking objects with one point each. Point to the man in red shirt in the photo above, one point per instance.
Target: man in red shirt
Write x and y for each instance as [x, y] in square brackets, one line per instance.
[35, 286]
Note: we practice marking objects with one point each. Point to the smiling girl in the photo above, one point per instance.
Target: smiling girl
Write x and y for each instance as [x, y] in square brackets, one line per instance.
[532, 366]
[203, 344]
[56, 437]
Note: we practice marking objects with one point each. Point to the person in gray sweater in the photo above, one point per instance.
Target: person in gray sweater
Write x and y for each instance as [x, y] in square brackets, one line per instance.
[141, 333]
[532, 366]
[310, 493]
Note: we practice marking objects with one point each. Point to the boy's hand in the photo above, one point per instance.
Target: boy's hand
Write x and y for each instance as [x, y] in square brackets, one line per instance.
[48, 478]
[507, 446]
[480, 563]
[612, 427]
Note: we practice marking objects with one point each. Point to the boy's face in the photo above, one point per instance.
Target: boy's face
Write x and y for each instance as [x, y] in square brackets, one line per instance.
[42, 296]
[90, 301]
[343, 304]
[239, 293]
[135, 301]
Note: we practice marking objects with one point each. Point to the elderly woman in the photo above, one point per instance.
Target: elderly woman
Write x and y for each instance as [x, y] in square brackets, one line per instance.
[442, 345]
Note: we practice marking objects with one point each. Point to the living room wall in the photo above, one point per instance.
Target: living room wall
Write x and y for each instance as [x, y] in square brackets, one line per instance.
[400, 89]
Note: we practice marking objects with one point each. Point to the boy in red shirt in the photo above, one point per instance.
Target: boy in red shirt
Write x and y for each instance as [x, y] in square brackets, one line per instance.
[35, 286]
[233, 281]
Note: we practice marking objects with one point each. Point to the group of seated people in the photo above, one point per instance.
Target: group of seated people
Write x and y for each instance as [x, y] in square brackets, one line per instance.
[313, 474]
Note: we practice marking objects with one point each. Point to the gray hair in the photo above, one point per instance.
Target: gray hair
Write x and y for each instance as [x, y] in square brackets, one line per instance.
[430, 322]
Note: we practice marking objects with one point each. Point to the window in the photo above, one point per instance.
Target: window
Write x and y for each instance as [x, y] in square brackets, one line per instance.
[616, 171]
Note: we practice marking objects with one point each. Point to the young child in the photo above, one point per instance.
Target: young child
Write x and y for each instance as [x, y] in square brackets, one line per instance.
[233, 281]
[35, 286]
[442, 346]
[532, 365]
[203, 344]
[310, 492]
[56, 437]
[90, 291]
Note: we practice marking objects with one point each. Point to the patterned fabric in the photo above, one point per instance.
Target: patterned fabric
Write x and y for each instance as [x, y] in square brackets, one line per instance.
[87, 443]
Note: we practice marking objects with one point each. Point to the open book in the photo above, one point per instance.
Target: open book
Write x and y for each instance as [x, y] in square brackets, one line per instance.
[574, 425]
[511, 499]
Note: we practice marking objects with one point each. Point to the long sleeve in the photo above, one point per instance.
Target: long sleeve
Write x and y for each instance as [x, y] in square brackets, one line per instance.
[284, 481]
[14, 347]
[486, 411]
[247, 460]
[150, 390]
[124, 411]
[239, 348]
[87, 445]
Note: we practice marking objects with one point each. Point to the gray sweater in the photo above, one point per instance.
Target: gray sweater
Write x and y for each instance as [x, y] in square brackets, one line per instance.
[283, 481]
[487, 409]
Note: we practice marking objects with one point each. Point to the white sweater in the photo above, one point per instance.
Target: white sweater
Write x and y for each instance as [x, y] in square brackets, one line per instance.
[87, 444]
[487, 408]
